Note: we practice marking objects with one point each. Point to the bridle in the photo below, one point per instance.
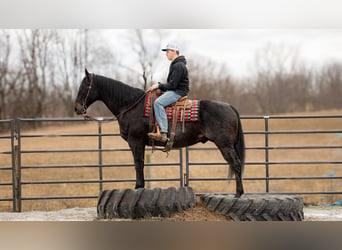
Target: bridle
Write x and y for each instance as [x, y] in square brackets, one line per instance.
[84, 106]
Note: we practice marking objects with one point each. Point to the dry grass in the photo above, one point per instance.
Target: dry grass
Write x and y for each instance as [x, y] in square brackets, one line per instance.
[43, 143]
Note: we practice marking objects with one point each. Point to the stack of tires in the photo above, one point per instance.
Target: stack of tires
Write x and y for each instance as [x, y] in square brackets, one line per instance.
[256, 207]
[144, 203]
[157, 202]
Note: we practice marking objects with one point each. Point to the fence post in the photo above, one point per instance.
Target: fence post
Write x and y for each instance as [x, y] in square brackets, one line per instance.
[16, 199]
[148, 170]
[186, 175]
[100, 154]
[266, 153]
[14, 162]
[181, 167]
[17, 168]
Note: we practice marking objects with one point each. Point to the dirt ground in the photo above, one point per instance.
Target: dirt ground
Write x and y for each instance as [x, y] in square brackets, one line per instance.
[197, 213]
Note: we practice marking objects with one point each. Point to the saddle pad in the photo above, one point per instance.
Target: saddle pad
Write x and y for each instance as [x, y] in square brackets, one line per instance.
[188, 115]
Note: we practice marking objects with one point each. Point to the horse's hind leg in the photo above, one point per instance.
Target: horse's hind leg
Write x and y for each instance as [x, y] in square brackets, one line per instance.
[232, 158]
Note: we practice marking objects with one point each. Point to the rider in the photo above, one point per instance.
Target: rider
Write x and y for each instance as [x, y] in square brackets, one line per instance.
[177, 86]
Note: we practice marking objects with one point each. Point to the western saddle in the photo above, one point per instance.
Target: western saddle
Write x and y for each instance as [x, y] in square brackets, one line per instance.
[183, 103]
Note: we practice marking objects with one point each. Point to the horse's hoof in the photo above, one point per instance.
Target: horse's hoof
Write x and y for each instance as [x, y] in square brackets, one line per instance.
[238, 195]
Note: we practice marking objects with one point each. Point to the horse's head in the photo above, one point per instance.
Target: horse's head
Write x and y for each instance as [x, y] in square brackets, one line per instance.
[86, 94]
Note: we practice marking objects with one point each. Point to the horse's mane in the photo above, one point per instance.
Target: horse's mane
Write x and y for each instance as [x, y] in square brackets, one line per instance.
[124, 94]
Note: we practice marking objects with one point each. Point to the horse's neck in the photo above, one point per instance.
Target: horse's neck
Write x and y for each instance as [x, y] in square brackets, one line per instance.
[117, 96]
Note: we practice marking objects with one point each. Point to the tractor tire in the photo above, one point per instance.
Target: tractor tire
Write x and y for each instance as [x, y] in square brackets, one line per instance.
[144, 203]
[256, 207]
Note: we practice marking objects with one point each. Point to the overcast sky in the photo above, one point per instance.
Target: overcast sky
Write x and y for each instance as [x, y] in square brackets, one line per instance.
[237, 47]
[313, 26]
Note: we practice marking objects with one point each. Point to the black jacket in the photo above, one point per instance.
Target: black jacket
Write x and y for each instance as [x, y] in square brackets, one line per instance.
[178, 79]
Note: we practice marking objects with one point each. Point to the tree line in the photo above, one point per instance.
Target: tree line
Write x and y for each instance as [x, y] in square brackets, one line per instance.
[280, 82]
[40, 71]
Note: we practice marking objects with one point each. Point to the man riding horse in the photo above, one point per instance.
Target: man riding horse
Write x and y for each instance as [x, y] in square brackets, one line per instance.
[176, 87]
[216, 121]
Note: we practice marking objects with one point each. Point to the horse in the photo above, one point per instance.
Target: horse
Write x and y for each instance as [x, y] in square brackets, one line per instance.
[218, 122]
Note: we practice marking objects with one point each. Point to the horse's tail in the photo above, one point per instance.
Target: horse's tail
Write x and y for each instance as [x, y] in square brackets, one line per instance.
[239, 145]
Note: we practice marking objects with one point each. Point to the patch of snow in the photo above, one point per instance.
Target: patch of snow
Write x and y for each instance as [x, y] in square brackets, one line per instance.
[323, 213]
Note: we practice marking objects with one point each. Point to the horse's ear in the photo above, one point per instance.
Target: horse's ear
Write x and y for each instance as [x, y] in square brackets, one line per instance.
[87, 74]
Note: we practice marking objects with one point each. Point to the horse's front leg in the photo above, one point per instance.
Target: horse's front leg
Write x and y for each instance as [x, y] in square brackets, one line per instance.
[138, 150]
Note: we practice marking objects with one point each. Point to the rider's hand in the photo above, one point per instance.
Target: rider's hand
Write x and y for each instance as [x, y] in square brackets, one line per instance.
[153, 87]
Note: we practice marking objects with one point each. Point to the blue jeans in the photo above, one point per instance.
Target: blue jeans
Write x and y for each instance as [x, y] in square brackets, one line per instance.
[161, 102]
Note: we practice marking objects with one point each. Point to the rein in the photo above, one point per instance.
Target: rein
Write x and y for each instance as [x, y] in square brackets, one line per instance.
[90, 118]
[132, 106]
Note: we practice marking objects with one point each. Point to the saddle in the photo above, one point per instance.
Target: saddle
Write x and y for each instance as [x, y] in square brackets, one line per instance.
[178, 108]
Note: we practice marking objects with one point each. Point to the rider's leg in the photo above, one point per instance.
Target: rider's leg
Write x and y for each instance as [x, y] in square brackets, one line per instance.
[164, 100]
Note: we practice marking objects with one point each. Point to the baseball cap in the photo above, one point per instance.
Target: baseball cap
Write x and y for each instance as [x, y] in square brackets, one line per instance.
[171, 46]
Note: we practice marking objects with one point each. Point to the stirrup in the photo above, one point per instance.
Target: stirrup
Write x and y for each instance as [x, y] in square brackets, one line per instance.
[157, 137]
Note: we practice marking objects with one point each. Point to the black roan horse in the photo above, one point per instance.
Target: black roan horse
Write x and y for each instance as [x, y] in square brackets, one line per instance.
[218, 122]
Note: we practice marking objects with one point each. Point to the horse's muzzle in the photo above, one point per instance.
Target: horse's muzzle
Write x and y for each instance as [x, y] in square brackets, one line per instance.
[80, 109]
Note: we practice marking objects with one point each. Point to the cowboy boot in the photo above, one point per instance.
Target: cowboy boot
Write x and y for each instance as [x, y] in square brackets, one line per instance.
[162, 137]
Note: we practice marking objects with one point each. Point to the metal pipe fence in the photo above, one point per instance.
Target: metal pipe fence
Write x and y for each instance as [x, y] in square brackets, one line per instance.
[100, 149]
[267, 148]
[17, 148]
[7, 139]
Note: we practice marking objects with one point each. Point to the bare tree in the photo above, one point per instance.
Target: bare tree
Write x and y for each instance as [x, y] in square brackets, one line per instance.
[329, 86]
[146, 45]
[74, 51]
[35, 58]
[210, 80]
[71, 54]
[8, 76]
[4, 71]
[282, 83]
